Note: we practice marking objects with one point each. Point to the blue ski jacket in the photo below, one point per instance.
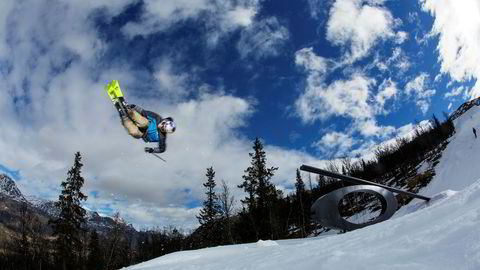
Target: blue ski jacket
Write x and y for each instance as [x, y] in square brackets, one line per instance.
[152, 133]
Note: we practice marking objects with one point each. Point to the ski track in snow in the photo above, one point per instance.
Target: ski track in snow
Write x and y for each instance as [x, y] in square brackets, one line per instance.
[441, 234]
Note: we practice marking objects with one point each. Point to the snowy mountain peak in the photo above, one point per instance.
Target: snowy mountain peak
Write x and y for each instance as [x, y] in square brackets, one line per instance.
[9, 188]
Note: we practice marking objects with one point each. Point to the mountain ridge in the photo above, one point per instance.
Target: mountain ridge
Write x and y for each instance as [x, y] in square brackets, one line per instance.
[12, 199]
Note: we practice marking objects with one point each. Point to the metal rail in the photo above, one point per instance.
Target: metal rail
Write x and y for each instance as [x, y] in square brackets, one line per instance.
[359, 181]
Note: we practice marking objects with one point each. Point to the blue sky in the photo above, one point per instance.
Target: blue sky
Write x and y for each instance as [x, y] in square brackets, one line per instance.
[316, 80]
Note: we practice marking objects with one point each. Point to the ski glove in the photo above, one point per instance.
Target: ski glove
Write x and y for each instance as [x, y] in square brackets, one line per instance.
[148, 150]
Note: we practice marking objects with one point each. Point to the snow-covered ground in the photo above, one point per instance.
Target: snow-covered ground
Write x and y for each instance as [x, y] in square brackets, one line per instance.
[459, 166]
[443, 234]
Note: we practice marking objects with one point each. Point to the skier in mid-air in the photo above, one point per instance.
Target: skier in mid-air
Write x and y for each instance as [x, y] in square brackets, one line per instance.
[141, 123]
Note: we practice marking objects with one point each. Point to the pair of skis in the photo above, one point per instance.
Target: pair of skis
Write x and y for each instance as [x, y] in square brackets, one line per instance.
[116, 96]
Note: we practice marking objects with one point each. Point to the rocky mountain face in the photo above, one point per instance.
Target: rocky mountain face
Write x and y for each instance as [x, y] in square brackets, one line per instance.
[9, 188]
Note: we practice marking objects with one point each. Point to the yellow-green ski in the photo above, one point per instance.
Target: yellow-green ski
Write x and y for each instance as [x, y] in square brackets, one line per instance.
[113, 90]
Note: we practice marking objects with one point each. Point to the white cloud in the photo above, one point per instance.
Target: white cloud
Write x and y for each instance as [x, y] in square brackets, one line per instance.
[456, 92]
[171, 80]
[242, 16]
[310, 61]
[457, 24]
[369, 127]
[398, 60]
[341, 98]
[359, 25]
[259, 38]
[438, 78]
[158, 15]
[220, 16]
[346, 98]
[335, 144]
[152, 215]
[418, 88]
[387, 90]
[352, 98]
[262, 39]
[401, 37]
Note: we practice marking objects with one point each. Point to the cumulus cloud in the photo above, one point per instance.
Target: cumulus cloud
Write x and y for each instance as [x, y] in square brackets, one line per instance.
[173, 82]
[341, 98]
[335, 144]
[353, 97]
[418, 88]
[219, 16]
[359, 26]
[457, 24]
[310, 61]
[259, 38]
[242, 16]
[369, 127]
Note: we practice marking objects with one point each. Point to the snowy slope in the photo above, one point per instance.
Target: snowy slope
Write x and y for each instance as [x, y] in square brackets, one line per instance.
[443, 234]
[460, 162]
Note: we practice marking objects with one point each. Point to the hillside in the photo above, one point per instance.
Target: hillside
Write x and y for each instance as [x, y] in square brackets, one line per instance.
[441, 234]
[12, 200]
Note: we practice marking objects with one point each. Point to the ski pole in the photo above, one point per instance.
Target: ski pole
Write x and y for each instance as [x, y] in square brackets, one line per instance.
[159, 157]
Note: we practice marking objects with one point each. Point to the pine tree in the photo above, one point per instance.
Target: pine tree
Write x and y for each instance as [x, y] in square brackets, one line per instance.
[261, 193]
[300, 192]
[210, 214]
[95, 253]
[68, 225]
[211, 207]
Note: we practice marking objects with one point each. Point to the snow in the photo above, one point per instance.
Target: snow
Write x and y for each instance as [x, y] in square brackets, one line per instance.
[423, 167]
[441, 234]
[460, 163]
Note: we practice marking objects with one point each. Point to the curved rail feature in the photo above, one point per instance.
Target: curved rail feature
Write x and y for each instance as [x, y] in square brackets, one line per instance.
[325, 208]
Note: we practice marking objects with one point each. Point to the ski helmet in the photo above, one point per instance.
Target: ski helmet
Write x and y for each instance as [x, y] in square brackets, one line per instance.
[167, 125]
